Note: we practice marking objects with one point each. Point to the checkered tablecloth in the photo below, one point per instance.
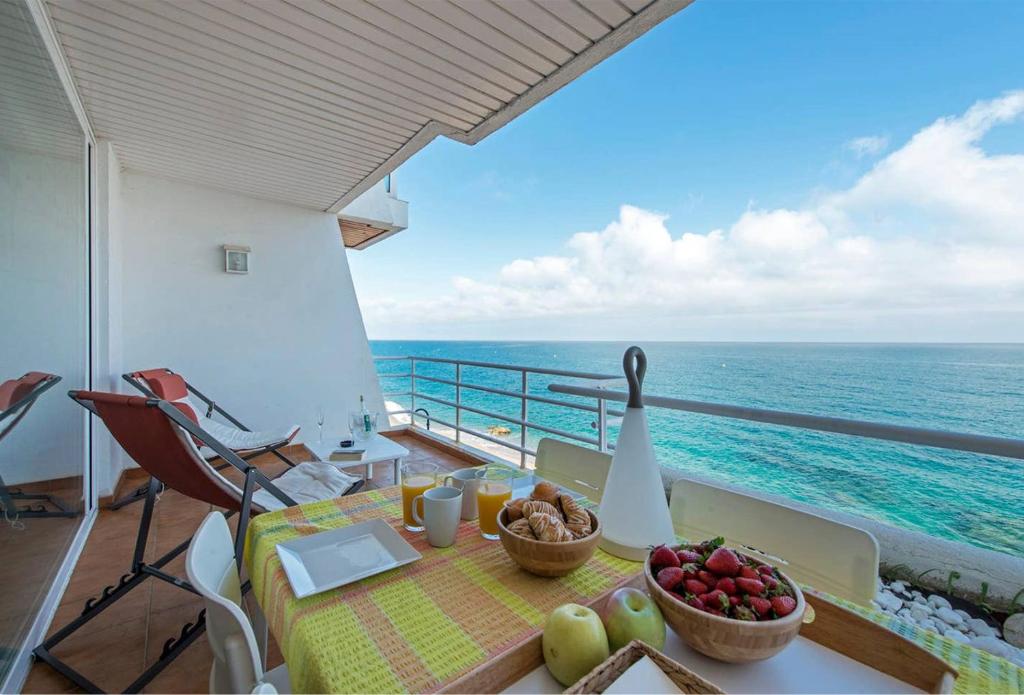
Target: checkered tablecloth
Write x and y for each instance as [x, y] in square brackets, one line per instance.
[422, 626]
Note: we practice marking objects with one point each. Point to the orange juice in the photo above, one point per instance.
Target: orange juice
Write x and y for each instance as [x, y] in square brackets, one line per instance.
[412, 486]
[490, 498]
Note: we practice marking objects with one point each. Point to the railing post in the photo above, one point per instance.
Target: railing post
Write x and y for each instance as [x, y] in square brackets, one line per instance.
[412, 391]
[458, 402]
[602, 425]
[522, 428]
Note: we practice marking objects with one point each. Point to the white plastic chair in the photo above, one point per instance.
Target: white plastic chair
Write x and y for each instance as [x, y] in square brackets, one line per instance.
[237, 662]
[825, 554]
[575, 467]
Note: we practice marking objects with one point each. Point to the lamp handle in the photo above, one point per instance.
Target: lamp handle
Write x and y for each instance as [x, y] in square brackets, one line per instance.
[634, 364]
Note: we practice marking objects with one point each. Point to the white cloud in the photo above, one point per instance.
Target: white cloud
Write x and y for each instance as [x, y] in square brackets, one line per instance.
[936, 225]
[868, 146]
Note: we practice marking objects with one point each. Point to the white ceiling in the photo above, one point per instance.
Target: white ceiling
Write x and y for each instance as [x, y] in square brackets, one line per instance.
[312, 101]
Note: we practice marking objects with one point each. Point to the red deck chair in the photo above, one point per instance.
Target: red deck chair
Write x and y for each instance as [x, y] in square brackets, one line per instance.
[161, 437]
[17, 396]
[166, 385]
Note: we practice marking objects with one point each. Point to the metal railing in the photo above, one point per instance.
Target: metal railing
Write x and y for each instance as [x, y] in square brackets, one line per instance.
[603, 395]
[956, 441]
[600, 409]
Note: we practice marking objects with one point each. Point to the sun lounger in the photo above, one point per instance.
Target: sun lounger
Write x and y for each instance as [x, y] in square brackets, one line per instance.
[162, 436]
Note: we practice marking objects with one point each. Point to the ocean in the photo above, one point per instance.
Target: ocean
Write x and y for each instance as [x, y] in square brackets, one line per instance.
[968, 388]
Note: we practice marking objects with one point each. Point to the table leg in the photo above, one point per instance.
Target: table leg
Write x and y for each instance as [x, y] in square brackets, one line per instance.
[369, 471]
[398, 471]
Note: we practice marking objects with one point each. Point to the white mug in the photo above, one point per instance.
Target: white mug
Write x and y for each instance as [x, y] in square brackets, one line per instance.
[465, 479]
[441, 509]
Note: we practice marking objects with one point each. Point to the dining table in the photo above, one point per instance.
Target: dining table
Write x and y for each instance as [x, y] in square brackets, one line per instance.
[432, 624]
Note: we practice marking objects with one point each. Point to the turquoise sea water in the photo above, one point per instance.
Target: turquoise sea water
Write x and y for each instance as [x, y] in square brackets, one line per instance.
[969, 388]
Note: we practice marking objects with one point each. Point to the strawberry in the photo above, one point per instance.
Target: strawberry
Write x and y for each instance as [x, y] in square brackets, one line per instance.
[694, 586]
[690, 570]
[677, 596]
[760, 605]
[663, 556]
[783, 605]
[744, 613]
[765, 569]
[707, 577]
[669, 578]
[770, 583]
[748, 572]
[750, 586]
[724, 562]
[716, 599]
[734, 601]
[714, 611]
[695, 602]
[727, 585]
[688, 556]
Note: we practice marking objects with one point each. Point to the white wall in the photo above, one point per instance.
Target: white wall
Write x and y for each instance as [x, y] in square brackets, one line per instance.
[269, 346]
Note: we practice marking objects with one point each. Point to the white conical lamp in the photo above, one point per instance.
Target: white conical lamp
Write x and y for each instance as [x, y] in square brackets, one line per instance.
[634, 510]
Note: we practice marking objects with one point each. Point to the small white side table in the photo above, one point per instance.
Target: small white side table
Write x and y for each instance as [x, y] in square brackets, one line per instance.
[378, 448]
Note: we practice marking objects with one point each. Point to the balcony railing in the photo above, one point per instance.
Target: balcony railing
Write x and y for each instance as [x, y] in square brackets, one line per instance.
[600, 392]
[522, 394]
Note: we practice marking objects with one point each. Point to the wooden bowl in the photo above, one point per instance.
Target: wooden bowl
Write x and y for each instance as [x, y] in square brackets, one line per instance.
[548, 559]
[727, 639]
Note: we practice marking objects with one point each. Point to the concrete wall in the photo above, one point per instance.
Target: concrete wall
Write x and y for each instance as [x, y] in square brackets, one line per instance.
[43, 310]
[270, 346]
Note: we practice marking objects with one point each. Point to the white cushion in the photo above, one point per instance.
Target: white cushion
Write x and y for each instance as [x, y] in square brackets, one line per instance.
[307, 482]
[232, 437]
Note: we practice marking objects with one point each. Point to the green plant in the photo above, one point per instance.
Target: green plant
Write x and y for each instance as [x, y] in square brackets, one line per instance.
[953, 576]
[983, 599]
[1013, 601]
[921, 576]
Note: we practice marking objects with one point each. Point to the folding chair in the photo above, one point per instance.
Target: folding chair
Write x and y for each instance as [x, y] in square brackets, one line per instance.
[161, 437]
[17, 396]
[166, 385]
[575, 467]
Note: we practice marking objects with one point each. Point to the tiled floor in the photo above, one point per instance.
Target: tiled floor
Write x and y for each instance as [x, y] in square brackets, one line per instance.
[118, 644]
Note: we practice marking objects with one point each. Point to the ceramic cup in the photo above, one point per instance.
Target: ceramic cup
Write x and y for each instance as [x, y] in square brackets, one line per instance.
[465, 479]
[441, 509]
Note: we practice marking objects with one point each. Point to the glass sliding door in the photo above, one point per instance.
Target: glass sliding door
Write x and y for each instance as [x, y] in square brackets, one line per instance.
[44, 310]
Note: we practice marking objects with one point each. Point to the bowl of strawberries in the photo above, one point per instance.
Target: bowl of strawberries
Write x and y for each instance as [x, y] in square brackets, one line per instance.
[724, 604]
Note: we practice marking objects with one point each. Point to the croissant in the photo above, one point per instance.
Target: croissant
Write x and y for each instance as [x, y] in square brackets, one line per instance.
[573, 512]
[545, 492]
[549, 528]
[521, 527]
[531, 507]
[515, 508]
[579, 530]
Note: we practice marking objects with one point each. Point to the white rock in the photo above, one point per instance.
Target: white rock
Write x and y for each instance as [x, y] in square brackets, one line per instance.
[916, 594]
[919, 599]
[920, 612]
[927, 624]
[905, 614]
[949, 617]
[889, 602]
[936, 601]
[1013, 630]
[963, 614]
[898, 586]
[992, 645]
[958, 636]
[980, 627]
[941, 627]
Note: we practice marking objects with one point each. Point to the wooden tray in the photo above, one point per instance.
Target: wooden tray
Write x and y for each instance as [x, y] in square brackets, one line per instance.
[609, 670]
[833, 627]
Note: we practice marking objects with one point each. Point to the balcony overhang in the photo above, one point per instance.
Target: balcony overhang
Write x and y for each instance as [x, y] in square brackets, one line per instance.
[312, 104]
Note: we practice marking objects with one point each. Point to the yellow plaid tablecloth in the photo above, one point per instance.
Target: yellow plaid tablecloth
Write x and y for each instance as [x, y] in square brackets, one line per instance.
[415, 628]
[419, 627]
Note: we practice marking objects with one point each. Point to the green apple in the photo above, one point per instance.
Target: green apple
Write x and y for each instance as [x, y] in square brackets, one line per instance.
[574, 642]
[631, 614]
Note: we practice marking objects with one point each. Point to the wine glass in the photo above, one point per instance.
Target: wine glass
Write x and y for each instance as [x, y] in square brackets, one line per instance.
[321, 414]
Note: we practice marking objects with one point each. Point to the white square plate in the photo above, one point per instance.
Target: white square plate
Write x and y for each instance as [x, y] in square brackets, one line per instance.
[330, 559]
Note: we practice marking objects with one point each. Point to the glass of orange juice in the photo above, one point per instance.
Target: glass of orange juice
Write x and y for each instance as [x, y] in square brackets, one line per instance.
[493, 490]
[417, 478]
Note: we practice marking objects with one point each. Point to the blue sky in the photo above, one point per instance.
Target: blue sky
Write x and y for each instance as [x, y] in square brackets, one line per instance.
[726, 108]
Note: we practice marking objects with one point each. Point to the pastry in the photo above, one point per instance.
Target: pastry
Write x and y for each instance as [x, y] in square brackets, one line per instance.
[515, 508]
[521, 527]
[575, 515]
[549, 528]
[532, 507]
[545, 492]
